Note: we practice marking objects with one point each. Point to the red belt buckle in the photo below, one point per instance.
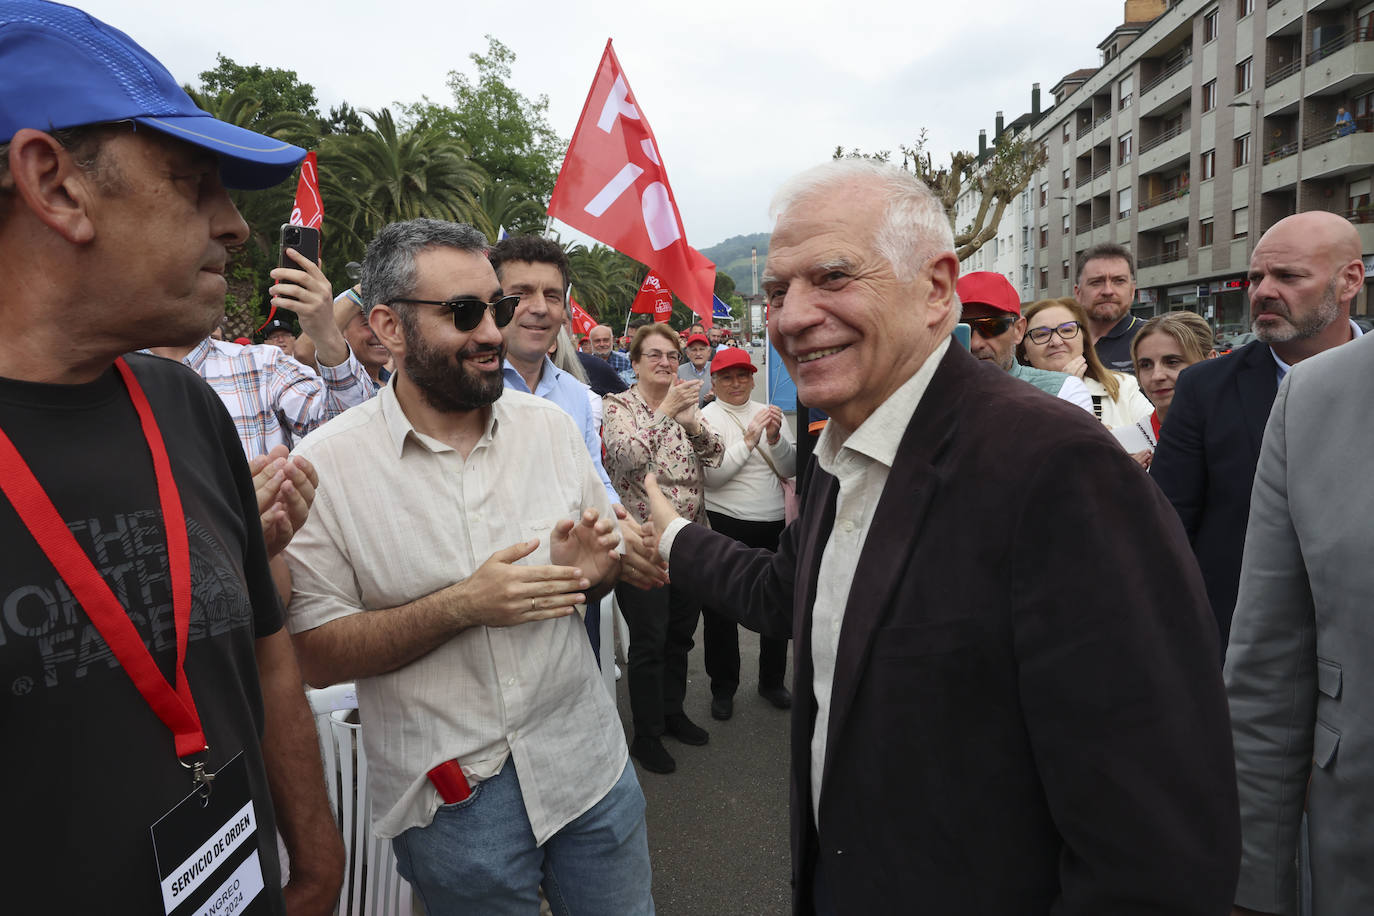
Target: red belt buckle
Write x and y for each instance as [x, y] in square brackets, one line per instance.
[448, 778]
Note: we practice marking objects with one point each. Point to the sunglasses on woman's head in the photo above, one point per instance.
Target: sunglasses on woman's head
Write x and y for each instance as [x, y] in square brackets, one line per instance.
[468, 310]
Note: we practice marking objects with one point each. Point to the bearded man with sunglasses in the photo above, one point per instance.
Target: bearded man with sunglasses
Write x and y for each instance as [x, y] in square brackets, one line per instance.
[992, 311]
[446, 584]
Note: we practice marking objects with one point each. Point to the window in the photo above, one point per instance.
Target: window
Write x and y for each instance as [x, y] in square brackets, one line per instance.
[1025, 276]
[1244, 8]
[1357, 201]
[1123, 149]
[1209, 25]
[1241, 153]
[1125, 88]
[1044, 236]
[1243, 75]
[1207, 166]
[1123, 203]
[1044, 278]
[1204, 233]
[1066, 178]
[1066, 131]
[1044, 193]
[1240, 223]
[1065, 268]
[1209, 95]
[1025, 238]
[1067, 224]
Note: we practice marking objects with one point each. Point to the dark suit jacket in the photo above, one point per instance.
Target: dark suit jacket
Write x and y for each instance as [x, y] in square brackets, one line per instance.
[1206, 457]
[1027, 710]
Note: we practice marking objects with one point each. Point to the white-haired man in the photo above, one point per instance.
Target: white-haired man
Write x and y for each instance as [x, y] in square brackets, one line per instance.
[982, 723]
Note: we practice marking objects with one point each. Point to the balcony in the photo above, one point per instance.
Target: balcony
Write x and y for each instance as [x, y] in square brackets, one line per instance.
[1163, 269]
[1163, 210]
[1280, 168]
[1102, 182]
[1330, 152]
[1342, 63]
[1101, 130]
[1283, 89]
[1168, 149]
[1283, 18]
[1170, 87]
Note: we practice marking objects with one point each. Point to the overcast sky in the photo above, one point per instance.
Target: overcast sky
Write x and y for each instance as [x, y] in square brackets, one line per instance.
[739, 94]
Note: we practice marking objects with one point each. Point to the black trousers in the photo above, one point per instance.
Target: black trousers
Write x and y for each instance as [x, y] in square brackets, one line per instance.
[720, 633]
[662, 622]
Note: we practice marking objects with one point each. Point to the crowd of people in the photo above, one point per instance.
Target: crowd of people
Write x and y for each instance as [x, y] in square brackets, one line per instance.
[1074, 612]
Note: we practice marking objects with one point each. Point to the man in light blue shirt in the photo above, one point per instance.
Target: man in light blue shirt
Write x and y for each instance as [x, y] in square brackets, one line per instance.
[536, 270]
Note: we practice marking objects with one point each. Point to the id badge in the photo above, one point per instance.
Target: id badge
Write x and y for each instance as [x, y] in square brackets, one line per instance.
[207, 850]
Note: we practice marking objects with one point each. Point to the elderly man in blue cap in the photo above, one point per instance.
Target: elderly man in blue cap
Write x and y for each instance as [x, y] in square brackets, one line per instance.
[153, 705]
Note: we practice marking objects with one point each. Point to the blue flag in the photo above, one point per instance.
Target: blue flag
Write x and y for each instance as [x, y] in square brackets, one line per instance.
[720, 309]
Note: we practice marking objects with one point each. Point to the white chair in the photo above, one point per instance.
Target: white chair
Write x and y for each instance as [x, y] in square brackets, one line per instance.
[371, 885]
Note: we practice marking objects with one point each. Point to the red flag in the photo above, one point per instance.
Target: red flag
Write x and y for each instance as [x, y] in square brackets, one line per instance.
[582, 323]
[654, 298]
[308, 209]
[614, 188]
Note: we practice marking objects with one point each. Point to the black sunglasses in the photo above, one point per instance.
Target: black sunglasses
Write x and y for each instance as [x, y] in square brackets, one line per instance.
[991, 326]
[468, 310]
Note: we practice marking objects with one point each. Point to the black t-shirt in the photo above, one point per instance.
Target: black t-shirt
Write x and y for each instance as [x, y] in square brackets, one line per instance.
[601, 378]
[1114, 349]
[87, 766]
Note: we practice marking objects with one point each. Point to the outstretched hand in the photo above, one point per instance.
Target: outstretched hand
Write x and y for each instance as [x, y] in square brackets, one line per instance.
[503, 594]
[588, 543]
[661, 511]
[641, 565]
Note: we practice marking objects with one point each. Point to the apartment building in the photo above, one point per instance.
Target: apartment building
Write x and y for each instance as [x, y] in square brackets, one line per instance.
[1206, 122]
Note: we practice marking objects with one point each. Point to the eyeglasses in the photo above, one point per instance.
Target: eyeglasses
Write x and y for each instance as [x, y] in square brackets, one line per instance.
[991, 326]
[1066, 331]
[468, 310]
[655, 356]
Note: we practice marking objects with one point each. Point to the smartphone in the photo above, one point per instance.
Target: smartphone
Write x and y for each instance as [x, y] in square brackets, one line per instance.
[963, 335]
[303, 239]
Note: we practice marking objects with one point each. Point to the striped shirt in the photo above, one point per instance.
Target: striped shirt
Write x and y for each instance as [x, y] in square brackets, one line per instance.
[273, 399]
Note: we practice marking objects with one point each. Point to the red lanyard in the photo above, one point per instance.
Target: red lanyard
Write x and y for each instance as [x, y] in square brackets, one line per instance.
[175, 708]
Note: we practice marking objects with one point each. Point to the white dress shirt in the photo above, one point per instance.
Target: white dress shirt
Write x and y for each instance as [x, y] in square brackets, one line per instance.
[860, 462]
[744, 486]
[399, 515]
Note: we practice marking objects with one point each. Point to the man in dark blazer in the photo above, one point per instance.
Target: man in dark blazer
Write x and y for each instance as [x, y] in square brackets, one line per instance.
[1210, 444]
[1008, 694]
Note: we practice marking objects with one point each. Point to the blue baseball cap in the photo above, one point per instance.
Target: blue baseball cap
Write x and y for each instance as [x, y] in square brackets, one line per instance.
[62, 68]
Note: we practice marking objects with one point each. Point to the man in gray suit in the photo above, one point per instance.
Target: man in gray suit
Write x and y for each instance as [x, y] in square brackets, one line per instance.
[1301, 645]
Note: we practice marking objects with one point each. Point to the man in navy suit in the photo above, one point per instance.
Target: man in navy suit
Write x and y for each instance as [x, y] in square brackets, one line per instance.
[1007, 693]
[1210, 444]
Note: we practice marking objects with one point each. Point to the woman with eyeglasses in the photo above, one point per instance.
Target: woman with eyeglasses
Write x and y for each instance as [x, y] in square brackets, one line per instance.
[1165, 346]
[1056, 338]
[656, 426]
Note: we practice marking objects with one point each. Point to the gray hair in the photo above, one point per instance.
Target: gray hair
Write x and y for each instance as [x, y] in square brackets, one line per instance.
[389, 265]
[565, 356]
[915, 227]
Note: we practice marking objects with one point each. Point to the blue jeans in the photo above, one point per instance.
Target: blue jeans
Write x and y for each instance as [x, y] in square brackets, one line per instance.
[479, 856]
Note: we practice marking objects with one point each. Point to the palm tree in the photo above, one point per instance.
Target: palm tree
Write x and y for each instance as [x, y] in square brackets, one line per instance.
[386, 173]
[605, 282]
[508, 204]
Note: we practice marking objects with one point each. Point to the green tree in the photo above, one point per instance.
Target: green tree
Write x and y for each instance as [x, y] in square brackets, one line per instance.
[388, 173]
[605, 282]
[276, 90]
[506, 133]
[998, 178]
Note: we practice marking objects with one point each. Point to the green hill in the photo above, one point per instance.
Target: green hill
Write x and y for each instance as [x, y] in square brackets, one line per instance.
[732, 257]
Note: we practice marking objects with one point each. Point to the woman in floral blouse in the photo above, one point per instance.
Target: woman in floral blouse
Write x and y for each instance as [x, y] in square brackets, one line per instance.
[656, 426]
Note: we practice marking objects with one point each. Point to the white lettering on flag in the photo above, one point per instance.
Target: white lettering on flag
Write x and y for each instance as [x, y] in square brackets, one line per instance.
[660, 218]
[617, 103]
[648, 147]
[622, 182]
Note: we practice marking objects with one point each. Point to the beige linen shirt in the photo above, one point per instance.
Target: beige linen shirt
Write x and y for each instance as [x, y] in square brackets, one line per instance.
[860, 462]
[399, 515]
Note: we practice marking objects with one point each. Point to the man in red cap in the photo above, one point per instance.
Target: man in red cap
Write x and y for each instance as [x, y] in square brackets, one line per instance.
[992, 311]
[698, 365]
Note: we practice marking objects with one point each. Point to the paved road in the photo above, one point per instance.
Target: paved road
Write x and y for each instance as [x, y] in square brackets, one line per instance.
[718, 826]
